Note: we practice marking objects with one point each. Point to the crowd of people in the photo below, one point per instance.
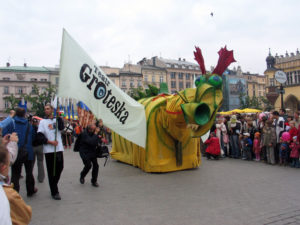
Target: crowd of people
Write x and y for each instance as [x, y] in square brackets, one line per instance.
[272, 137]
[25, 140]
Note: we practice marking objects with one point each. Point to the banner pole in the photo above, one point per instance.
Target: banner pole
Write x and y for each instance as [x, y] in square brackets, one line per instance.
[56, 127]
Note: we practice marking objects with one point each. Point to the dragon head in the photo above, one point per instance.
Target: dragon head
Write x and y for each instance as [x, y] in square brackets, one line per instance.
[202, 104]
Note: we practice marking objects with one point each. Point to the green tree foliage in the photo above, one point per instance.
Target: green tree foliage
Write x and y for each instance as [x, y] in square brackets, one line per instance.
[255, 102]
[39, 98]
[138, 93]
[13, 102]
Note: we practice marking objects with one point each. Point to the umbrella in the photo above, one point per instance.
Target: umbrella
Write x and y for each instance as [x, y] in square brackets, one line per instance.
[237, 111]
[249, 110]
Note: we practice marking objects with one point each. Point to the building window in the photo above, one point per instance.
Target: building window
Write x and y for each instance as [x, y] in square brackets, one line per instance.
[139, 83]
[43, 80]
[180, 76]
[131, 83]
[188, 84]
[187, 76]
[298, 76]
[33, 79]
[146, 78]
[180, 85]
[253, 92]
[33, 90]
[19, 90]
[6, 90]
[6, 104]
[161, 79]
[272, 82]
[6, 78]
[43, 89]
[153, 78]
[123, 83]
[173, 84]
[56, 80]
[173, 75]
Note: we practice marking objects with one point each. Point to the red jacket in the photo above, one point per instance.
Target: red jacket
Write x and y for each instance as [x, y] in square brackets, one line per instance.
[293, 132]
[213, 146]
[295, 150]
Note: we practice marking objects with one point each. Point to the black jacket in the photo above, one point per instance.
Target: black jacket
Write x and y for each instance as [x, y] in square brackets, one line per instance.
[88, 142]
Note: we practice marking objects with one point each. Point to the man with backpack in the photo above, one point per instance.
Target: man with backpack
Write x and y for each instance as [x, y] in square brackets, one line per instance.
[25, 153]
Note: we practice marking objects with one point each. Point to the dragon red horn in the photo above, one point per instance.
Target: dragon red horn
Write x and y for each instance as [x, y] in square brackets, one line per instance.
[199, 59]
[225, 59]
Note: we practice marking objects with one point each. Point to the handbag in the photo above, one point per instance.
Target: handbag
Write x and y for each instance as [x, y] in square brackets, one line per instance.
[102, 151]
[225, 139]
[22, 152]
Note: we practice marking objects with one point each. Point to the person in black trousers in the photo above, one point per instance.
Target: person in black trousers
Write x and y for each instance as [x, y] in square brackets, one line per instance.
[46, 136]
[25, 153]
[88, 143]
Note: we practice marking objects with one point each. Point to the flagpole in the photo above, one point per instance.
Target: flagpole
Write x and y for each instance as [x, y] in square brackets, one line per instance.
[56, 127]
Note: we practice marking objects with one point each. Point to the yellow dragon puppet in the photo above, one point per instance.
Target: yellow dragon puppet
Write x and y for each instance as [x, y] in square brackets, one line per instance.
[176, 122]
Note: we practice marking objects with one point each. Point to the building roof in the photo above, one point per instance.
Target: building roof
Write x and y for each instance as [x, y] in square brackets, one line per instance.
[179, 62]
[25, 69]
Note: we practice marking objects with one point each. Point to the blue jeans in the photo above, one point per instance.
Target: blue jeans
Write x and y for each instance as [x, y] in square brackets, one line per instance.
[295, 162]
[235, 149]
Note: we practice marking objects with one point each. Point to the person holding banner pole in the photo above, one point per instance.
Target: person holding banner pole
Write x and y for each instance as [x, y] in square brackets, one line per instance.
[53, 148]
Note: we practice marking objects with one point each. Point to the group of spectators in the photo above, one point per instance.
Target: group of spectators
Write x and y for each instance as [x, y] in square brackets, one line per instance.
[24, 139]
[272, 137]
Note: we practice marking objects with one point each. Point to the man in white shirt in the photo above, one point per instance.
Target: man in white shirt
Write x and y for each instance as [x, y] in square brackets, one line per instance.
[46, 135]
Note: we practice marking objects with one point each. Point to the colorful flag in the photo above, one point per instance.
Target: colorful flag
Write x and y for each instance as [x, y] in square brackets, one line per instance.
[80, 78]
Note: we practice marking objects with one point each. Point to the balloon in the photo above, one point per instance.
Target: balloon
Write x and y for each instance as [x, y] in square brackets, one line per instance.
[286, 136]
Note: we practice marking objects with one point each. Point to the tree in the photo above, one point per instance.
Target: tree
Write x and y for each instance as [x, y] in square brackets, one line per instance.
[267, 104]
[255, 102]
[138, 93]
[38, 99]
[13, 102]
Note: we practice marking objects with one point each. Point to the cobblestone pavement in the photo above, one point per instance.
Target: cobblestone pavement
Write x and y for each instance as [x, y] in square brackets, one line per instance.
[223, 192]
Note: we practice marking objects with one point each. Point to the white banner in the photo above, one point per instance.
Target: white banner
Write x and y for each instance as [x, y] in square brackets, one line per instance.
[80, 78]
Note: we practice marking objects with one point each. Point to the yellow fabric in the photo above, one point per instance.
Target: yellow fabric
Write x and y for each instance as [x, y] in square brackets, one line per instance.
[168, 134]
[20, 212]
[248, 110]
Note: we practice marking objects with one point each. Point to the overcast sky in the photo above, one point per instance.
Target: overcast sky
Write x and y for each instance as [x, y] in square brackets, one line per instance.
[115, 31]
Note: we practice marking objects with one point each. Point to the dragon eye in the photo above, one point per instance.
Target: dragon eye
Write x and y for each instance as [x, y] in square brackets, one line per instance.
[215, 80]
[200, 80]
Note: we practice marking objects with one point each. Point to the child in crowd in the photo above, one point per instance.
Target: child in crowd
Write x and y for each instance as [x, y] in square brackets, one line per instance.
[293, 130]
[256, 146]
[295, 147]
[284, 148]
[213, 146]
[247, 147]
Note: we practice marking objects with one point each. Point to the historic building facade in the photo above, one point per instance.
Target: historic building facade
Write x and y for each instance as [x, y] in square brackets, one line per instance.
[180, 73]
[256, 84]
[18, 80]
[290, 64]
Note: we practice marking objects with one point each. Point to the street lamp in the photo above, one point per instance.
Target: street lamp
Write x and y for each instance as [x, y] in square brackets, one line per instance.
[280, 76]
